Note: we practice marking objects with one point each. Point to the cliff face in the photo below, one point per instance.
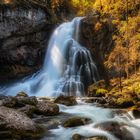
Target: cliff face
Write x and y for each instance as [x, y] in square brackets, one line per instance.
[24, 34]
[96, 35]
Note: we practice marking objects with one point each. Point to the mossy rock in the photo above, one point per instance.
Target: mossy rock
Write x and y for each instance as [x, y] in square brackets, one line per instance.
[80, 137]
[97, 92]
[22, 94]
[101, 92]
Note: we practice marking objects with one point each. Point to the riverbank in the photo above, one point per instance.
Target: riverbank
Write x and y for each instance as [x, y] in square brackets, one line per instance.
[46, 118]
[124, 95]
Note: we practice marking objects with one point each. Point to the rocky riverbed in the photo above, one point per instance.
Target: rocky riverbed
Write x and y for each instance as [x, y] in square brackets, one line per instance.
[64, 118]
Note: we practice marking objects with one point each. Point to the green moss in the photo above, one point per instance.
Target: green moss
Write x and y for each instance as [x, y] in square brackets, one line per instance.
[101, 91]
[22, 94]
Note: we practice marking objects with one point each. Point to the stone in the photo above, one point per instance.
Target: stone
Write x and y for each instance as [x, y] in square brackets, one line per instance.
[16, 120]
[66, 100]
[28, 110]
[136, 113]
[22, 94]
[18, 125]
[80, 137]
[22, 101]
[76, 121]
[47, 109]
[9, 102]
[116, 129]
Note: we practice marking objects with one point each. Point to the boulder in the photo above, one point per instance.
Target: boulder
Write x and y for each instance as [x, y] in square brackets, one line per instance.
[22, 94]
[136, 113]
[80, 137]
[17, 124]
[116, 129]
[28, 110]
[16, 120]
[99, 100]
[22, 101]
[76, 121]
[47, 109]
[66, 100]
[9, 101]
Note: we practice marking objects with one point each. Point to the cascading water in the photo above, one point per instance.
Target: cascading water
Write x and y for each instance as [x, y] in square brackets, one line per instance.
[68, 67]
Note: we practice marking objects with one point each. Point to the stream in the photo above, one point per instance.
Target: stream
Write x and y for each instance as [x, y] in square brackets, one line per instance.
[98, 115]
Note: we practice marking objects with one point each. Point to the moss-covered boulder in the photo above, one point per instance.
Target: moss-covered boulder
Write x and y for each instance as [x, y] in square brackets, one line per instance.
[94, 91]
[66, 100]
[22, 94]
[80, 137]
[76, 121]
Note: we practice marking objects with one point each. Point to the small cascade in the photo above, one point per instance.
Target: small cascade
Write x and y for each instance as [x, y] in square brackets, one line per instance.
[68, 67]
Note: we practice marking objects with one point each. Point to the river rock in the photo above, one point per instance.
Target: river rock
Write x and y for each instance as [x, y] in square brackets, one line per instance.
[22, 94]
[2, 96]
[18, 124]
[80, 137]
[22, 101]
[28, 110]
[66, 100]
[136, 113]
[16, 120]
[76, 121]
[99, 100]
[116, 129]
[47, 109]
[9, 101]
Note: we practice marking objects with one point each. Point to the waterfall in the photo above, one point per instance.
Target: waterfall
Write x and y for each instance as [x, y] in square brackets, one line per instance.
[68, 67]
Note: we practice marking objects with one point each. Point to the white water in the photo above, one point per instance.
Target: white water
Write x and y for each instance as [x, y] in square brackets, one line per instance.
[97, 115]
[68, 67]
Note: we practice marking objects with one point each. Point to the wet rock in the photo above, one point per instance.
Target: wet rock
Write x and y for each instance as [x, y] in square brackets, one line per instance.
[97, 138]
[22, 101]
[76, 121]
[28, 110]
[25, 28]
[18, 124]
[136, 113]
[98, 100]
[77, 137]
[9, 101]
[16, 120]
[96, 35]
[2, 97]
[22, 94]
[66, 100]
[47, 109]
[116, 129]
[80, 137]
[5, 135]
